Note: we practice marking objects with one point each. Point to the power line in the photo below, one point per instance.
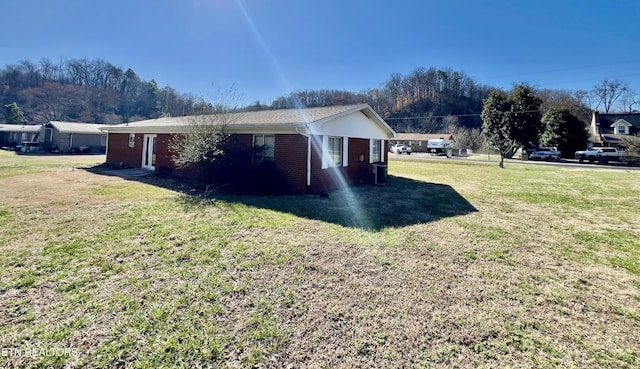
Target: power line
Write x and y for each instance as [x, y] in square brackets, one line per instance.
[463, 115]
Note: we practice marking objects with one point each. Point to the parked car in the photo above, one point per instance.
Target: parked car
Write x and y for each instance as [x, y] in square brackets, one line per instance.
[400, 149]
[593, 154]
[589, 154]
[546, 153]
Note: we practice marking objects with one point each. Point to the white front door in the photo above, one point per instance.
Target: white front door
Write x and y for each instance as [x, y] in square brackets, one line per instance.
[149, 152]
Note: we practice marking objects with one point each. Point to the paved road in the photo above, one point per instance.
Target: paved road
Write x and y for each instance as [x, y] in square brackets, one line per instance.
[494, 158]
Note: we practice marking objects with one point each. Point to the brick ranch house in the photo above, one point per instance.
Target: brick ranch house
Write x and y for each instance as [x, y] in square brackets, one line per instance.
[316, 149]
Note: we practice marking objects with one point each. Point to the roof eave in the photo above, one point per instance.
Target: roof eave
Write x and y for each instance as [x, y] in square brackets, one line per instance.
[239, 129]
[81, 132]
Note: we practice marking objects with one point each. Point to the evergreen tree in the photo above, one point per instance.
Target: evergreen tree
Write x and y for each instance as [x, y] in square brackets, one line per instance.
[13, 114]
[564, 131]
[511, 121]
[496, 125]
[525, 124]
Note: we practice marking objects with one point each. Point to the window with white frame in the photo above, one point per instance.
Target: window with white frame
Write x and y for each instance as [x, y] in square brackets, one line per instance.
[132, 139]
[376, 151]
[334, 151]
[263, 148]
[622, 130]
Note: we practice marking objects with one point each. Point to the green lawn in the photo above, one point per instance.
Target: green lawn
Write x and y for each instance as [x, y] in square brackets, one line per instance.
[13, 164]
[452, 264]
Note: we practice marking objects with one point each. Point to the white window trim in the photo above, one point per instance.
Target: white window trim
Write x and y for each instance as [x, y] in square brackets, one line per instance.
[326, 159]
[372, 150]
[325, 151]
[345, 151]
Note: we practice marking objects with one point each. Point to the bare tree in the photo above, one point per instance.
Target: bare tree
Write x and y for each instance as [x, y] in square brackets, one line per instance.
[206, 143]
[608, 92]
[466, 138]
[631, 145]
[629, 99]
[30, 72]
[588, 98]
[575, 102]
[47, 69]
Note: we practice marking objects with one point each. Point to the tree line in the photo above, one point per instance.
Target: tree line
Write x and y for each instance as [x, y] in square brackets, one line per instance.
[92, 91]
[432, 100]
[417, 102]
[427, 100]
[514, 120]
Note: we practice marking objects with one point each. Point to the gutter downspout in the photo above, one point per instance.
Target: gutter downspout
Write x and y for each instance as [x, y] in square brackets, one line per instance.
[106, 150]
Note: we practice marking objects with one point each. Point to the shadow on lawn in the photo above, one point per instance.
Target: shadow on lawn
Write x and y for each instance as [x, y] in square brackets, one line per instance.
[400, 203]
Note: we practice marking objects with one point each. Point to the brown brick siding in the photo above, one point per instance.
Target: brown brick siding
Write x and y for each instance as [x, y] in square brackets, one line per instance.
[386, 151]
[119, 154]
[331, 178]
[165, 164]
[291, 160]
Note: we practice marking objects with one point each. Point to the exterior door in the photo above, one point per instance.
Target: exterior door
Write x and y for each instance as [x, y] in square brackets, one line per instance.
[48, 136]
[149, 152]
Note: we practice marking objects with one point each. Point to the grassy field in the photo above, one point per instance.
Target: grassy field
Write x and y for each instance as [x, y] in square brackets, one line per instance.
[452, 264]
[12, 164]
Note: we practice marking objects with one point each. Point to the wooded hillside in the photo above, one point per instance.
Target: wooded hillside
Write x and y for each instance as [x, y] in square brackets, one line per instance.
[425, 100]
[93, 91]
[418, 102]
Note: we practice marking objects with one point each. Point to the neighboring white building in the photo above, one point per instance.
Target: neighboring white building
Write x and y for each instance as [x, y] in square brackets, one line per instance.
[73, 137]
[609, 129]
[419, 141]
[12, 135]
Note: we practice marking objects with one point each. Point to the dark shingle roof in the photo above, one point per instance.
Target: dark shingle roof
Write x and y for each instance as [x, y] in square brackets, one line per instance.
[606, 120]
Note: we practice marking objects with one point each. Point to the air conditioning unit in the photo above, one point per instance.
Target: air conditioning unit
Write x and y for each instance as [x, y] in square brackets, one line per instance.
[380, 174]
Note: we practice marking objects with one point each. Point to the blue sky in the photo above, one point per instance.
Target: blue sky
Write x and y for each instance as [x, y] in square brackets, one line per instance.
[268, 48]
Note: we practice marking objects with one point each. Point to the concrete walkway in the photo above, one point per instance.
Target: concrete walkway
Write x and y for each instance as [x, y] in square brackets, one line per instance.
[128, 173]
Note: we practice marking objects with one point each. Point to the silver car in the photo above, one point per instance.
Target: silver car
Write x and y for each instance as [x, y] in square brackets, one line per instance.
[400, 149]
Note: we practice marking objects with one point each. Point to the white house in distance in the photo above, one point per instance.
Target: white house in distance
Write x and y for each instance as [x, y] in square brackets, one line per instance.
[421, 142]
[609, 129]
[16, 135]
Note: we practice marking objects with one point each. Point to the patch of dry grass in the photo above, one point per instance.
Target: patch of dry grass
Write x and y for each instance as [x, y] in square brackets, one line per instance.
[451, 265]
